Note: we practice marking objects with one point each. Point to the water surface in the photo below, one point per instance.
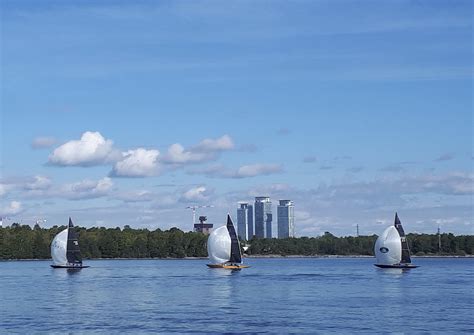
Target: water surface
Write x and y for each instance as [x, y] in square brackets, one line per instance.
[278, 295]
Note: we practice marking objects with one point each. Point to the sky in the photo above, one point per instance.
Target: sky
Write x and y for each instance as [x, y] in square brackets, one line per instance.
[126, 112]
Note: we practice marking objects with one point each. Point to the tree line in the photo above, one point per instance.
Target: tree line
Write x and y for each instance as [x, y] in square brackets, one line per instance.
[328, 244]
[24, 242]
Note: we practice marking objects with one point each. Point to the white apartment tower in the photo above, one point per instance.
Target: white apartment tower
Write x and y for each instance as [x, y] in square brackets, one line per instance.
[245, 221]
[286, 219]
[263, 217]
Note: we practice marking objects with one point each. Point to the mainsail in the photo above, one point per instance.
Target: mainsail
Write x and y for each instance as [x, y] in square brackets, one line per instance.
[235, 254]
[405, 249]
[73, 253]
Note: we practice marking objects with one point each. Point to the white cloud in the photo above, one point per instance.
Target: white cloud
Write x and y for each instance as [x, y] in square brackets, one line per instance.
[15, 184]
[43, 142]
[3, 190]
[257, 169]
[178, 155]
[135, 196]
[219, 144]
[91, 149]
[278, 190]
[456, 183]
[245, 171]
[42, 188]
[13, 208]
[335, 207]
[39, 183]
[165, 201]
[206, 150]
[85, 189]
[137, 163]
[197, 194]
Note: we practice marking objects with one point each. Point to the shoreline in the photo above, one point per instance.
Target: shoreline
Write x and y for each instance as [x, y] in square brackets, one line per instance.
[247, 256]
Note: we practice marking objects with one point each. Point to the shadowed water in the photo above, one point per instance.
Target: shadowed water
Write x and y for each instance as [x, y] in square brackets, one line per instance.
[307, 295]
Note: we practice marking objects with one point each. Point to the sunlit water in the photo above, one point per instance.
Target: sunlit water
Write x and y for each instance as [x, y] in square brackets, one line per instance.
[306, 295]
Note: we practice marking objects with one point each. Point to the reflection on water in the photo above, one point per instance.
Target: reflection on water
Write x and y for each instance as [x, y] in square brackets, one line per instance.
[220, 290]
[391, 271]
[64, 273]
[224, 272]
[73, 271]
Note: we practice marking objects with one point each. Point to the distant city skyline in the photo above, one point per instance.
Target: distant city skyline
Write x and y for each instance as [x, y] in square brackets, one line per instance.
[263, 218]
[127, 112]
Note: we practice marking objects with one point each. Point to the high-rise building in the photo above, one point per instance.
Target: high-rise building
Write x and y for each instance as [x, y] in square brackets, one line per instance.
[245, 221]
[263, 217]
[286, 219]
[250, 227]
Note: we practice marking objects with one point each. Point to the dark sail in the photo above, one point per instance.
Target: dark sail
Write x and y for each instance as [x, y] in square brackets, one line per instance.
[73, 253]
[405, 250]
[235, 256]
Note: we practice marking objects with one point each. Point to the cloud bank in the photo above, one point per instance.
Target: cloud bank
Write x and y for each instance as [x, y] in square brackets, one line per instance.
[93, 149]
[245, 171]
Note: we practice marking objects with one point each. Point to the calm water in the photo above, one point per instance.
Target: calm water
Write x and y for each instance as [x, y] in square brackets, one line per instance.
[306, 295]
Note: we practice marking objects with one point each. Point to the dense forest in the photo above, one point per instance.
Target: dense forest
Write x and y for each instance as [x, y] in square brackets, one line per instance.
[24, 242]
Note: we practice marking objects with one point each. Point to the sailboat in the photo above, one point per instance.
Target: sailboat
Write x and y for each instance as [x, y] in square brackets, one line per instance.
[65, 249]
[391, 248]
[223, 248]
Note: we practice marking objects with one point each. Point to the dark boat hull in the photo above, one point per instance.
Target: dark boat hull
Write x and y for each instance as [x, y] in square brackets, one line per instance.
[396, 266]
[227, 266]
[69, 267]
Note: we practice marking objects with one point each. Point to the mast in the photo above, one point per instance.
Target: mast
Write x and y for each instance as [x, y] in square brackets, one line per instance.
[73, 253]
[235, 255]
[405, 249]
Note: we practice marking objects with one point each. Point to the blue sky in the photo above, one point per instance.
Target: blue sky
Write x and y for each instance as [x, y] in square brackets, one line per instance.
[121, 112]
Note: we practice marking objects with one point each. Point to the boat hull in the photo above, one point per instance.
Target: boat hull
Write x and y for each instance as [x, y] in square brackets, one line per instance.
[396, 266]
[227, 266]
[69, 267]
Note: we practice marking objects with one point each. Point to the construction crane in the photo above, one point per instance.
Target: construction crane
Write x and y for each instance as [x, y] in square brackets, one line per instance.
[194, 210]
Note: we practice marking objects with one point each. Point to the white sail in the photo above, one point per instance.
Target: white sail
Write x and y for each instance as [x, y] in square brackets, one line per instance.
[59, 247]
[388, 247]
[219, 246]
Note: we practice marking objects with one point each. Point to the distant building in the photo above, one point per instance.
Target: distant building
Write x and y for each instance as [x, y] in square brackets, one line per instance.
[245, 221]
[286, 219]
[263, 217]
[202, 226]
